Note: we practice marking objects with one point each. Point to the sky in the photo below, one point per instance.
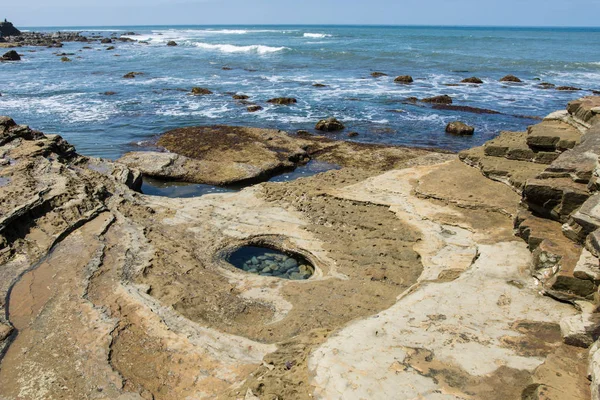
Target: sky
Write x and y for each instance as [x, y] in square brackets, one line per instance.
[31, 13]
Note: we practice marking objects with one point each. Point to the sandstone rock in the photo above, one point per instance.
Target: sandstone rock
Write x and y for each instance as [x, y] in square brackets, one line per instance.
[286, 101]
[198, 91]
[472, 80]
[329, 125]
[171, 43]
[586, 110]
[510, 78]
[546, 85]
[443, 99]
[11, 55]
[131, 75]
[65, 59]
[378, 74]
[513, 146]
[555, 198]
[459, 128]
[254, 108]
[404, 79]
[552, 136]
[514, 173]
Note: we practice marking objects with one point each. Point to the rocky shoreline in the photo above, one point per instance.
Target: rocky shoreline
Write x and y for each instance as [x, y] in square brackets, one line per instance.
[420, 288]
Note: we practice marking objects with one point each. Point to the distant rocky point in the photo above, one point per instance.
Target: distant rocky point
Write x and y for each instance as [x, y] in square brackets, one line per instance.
[8, 29]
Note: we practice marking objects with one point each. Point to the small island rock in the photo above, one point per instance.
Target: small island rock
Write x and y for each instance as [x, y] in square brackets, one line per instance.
[511, 78]
[404, 79]
[472, 79]
[329, 125]
[11, 56]
[459, 128]
[286, 101]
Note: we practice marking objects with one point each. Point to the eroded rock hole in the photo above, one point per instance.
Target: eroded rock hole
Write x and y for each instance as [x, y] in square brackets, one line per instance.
[269, 262]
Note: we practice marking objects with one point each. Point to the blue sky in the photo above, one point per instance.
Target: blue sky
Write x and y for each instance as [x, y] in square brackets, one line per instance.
[393, 12]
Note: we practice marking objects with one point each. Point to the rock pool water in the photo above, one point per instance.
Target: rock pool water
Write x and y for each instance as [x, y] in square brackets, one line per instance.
[174, 189]
[268, 262]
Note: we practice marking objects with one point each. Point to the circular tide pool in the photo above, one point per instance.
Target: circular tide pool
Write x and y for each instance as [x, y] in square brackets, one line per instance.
[268, 262]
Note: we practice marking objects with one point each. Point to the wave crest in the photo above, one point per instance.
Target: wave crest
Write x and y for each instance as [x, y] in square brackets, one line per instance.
[316, 35]
[230, 48]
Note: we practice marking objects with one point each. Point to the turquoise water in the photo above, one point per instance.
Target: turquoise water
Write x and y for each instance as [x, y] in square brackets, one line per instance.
[269, 61]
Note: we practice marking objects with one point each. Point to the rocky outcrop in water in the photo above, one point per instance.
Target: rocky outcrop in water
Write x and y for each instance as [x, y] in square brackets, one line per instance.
[285, 101]
[198, 91]
[510, 78]
[11, 55]
[459, 128]
[329, 125]
[405, 79]
[472, 80]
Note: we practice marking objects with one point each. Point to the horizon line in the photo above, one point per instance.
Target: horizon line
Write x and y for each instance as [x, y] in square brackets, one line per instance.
[326, 25]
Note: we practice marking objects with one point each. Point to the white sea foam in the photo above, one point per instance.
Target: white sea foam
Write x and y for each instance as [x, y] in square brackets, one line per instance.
[316, 35]
[230, 48]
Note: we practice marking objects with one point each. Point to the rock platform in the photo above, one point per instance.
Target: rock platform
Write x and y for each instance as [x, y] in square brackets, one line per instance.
[421, 289]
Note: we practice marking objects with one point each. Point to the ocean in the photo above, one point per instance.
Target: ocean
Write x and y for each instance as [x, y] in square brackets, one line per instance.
[271, 61]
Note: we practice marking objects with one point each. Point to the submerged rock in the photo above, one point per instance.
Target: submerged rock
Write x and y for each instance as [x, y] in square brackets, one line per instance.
[131, 75]
[378, 74]
[65, 59]
[240, 97]
[106, 41]
[329, 125]
[198, 91]
[568, 88]
[171, 43]
[459, 128]
[254, 108]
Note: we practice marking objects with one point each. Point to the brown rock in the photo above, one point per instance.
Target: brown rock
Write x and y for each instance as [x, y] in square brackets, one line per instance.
[568, 88]
[240, 97]
[254, 108]
[286, 101]
[329, 125]
[511, 78]
[472, 80]
[406, 79]
[131, 75]
[319, 85]
[198, 91]
[65, 59]
[443, 99]
[378, 74]
[459, 128]
[171, 43]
